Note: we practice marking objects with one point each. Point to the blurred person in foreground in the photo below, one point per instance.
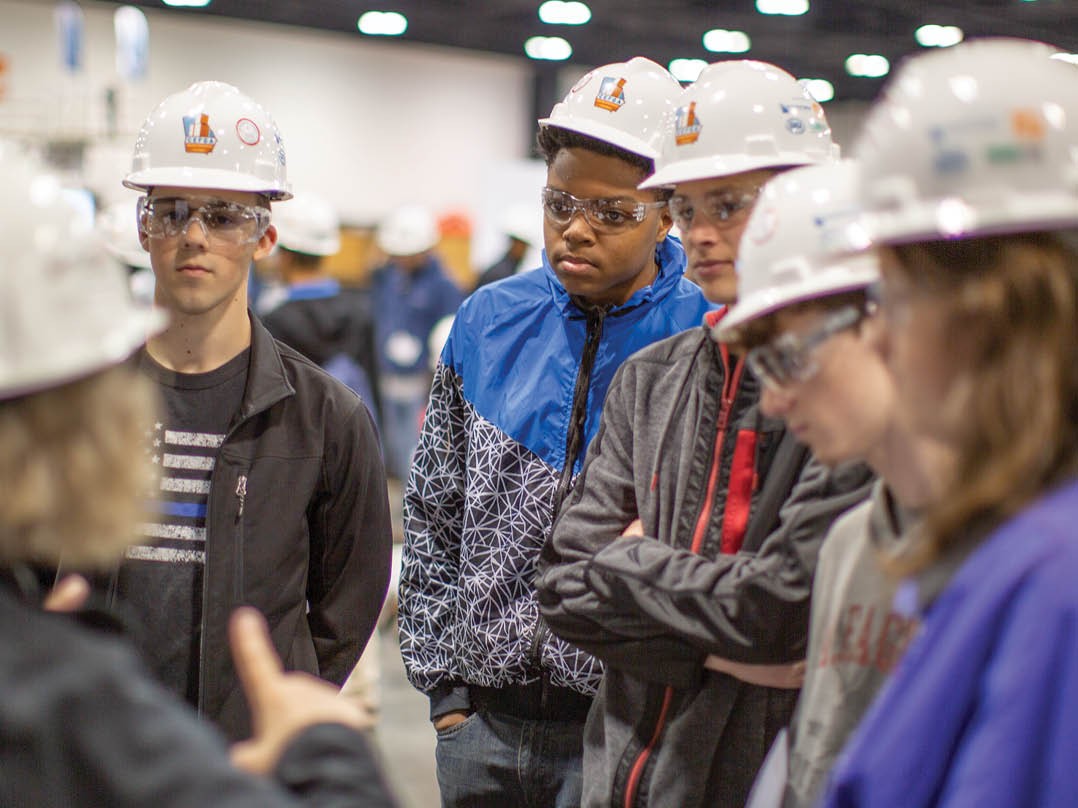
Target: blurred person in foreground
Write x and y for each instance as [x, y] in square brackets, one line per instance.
[974, 203]
[81, 721]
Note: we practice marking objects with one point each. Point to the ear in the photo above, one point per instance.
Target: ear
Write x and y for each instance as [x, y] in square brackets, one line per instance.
[266, 243]
[666, 221]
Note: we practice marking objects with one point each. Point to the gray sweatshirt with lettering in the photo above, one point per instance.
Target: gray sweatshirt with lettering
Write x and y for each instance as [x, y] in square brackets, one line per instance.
[855, 639]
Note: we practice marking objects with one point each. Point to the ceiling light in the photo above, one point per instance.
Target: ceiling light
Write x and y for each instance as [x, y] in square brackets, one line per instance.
[382, 23]
[820, 89]
[686, 69]
[556, 12]
[789, 8]
[551, 48]
[938, 36]
[1072, 58]
[868, 65]
[187, 3]
[719, 40]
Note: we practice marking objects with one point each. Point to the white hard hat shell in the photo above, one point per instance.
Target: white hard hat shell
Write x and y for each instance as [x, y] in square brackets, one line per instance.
[741, 115]
[118, 225]
[308, 224]
[409, 230]
[799, 244]
[625, 104]
[972, 140]
[67, 311]
[210, 136]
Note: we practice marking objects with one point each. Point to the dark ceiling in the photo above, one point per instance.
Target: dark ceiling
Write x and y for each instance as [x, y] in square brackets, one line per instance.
[813, 45]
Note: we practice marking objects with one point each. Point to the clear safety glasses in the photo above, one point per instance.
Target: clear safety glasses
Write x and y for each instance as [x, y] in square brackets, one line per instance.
[602, 215]
[223, 222]
[725, 208]
[789, 358]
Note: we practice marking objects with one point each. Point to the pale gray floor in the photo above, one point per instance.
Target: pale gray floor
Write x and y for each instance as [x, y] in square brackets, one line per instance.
[404, 735]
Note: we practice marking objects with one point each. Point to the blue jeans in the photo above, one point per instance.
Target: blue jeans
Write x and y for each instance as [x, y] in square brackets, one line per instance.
[501, 761]
[400, 434]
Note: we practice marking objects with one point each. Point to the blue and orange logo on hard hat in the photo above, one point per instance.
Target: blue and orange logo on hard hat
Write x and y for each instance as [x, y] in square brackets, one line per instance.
[198, 138]
[611, 94]
[687, 125]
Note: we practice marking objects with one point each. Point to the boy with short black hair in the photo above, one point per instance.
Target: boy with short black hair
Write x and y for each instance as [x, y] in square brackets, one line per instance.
[515, 402]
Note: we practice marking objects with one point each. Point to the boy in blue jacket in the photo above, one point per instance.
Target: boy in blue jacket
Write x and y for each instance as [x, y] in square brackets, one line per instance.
[515, 402]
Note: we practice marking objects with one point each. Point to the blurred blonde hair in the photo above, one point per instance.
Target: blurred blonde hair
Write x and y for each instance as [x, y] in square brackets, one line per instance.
[72, 466]
[1012, 326]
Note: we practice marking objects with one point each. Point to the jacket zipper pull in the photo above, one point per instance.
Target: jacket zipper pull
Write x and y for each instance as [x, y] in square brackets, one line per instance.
[241, 492]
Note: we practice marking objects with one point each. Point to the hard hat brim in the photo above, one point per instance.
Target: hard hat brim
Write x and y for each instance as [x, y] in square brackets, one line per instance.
[205, 178]
[844, 275]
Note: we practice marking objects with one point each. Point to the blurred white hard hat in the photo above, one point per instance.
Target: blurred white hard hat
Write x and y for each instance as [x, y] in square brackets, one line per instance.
[210, 136]
[624, 104]
[524, 222]
[741, 115]
[976, 139]
[409, 230]
[66, 308]
[799, 244]
[118, 225]
[308, 224]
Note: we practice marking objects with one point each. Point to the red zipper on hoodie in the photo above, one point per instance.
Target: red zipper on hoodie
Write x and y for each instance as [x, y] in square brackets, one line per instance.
[729, 392]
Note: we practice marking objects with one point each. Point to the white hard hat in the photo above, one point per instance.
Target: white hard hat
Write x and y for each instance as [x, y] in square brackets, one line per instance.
[117, 224]
[976, 139]
[799, 243]
[66, 308]
[308, 224]
[524, 222]
[741, 115]
[409, 230]
[624, 104]
[210, 136]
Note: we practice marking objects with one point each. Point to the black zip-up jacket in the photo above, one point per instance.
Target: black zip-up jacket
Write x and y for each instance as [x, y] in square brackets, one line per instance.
[297, 525]
[734, 511]
[82, 724]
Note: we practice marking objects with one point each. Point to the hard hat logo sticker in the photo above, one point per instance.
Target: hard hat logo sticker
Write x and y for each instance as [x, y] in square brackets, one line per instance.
[611, 94]
[687, 125]
[247, 131]
[198, 138]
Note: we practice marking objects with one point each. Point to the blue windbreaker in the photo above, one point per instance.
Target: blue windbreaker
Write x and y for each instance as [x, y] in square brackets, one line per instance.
[516, 399]
[983, 709]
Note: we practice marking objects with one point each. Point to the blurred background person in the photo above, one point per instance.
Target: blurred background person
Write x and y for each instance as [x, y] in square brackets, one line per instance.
[330, 325]
[117, 224]
[410, 293]
[522, 225]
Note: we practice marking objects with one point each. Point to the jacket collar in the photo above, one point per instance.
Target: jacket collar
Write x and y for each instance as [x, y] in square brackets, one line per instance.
[267, 382]
[670, 259]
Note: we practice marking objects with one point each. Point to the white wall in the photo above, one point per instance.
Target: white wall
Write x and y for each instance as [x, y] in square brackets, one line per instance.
[370, 124]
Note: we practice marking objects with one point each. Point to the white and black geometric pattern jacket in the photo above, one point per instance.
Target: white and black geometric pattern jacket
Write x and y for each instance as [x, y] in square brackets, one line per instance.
[516, 399]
